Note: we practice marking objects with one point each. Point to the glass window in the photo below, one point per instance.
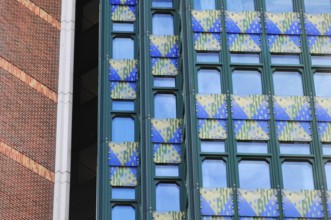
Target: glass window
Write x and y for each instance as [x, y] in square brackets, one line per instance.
[245, 58]
[321, 60]
[328, 175]
[162, 3]
[165, 106]
[240, 5]
[212, 146]
[294, 148]
[123, 193]
[123, 105]
[207, 57]
[254, 174]
[167, 197]
[279, 5]
[164, 82]
[285, 59]
[123, 212]
[326, 149]
[166, 170]
[252, 147]
[125, 27]
[318, 6]
[204, 4]
[209, 81]
[163, 24]
[246, 82]
[322, 84]
[213, 173]
[288, 84]
[123, 130]
[297, 175]
[123, 48]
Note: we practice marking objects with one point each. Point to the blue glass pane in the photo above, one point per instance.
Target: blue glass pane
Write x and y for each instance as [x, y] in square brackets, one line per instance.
[125, 27]
[328, 175]
[321, 60]
[252, 147]
[209, 81]
[204, 4]
[279, 5]
[318, 6]
[165, 106]
[322, 84]
[167, 197]
[166, 170]
[208, 57]
[326, 149]
[297, 175]
[254, 174]
[123, 193]
[246, 83]
[123, 106]
[212, 146]
[213, 173]
[288, 84]
[123, 212]
[123, 130]
[285, 59]
[164, 82]
[245, 58]
[163, 24]
[123, 48]
[240, 5]
[294, 148]
[162, 3]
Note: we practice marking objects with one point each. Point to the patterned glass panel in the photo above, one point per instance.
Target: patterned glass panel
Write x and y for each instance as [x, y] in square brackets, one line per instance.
[323, 109]
[212, 129]
[167, 131]
[206, 21]
[251, 130]
[283, 23]
[293, 131]
[284, 44]
[319, 44]
[123, 2]
[216, 202]
[167, 153]
[243, 22]
[211, 106]
[292, 108]
[324, 130]
[123, 176]
[164, 46]
[168, 215]
[164, 67]
[123, 90]
[244, 42]
[123, 154]
[123, 13]
[123, 70]
[207, 42]
[250, 107]
[318, 24]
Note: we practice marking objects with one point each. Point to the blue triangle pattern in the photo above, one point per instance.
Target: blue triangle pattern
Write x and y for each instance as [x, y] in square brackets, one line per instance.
[237, 125]
[216, 27]
[113, 75]
[205, 207]
[289, 209]
[280, 113]
[271, 28]
[262, 112]
[231, 26]
[303, 114]
[311, 28]
[154, 51]
[221, 113]
[245, 209]
[201, 112]
[196, 26]
[113, 160]
[254, 27]
[294, 28]
[156, 136]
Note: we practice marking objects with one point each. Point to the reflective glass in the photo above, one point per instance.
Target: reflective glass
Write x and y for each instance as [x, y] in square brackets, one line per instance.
[167, 197]
[279, 5]
[297, 175]
[164, 82]
[123, 105]
[288, 84]
[166, 170]
[240, 5]
[245, 58]
[328, 175]
[163, 24]
[125, 27]
[208, 57]
[123, 48]
[213, 173]
[209, 81]
[254, 174]
[123, 212]
[212, 146]
[294, 148]
[123, 193]
[252, 147]
[318, 6]
[322, 84]
[204, 4]
[165, 106]
[326, 149]
[246, 82]
[285, 59]
[162, 3]
[123, 129]
[321, 60]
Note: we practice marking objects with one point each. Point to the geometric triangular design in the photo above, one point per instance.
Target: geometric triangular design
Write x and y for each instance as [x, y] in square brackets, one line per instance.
[164, 46]
[283, 23]
[324, 131]
[211, 106]
[167, 130]
[293, 131]
[123, 90]
[323, 109]
[319, 44]
[251, 130]
[123, 2]
[244, 42]
[207, 42]
[243, 22]
[123, 70]
[318, 24]
[123, 13]
[292, 108]
[206, 21]
[123, 176]
[168, 215]
[216, 202]
[254, 107]
[167, 153]
[212, 129]
[164, 66]
[123, 154]
[284, 43]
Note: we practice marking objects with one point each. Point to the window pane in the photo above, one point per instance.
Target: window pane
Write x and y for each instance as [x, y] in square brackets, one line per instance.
[204, 4]
[164, 82]
[297, 175]
[167, 197]
[123, 48]
[318, 6]
[245, 58]
[163, 24]
[240, 5]
[322, 84]
[212, 146]
[123, 193]
[213, 173]
[166, 170]
[123, 129]
[246, 82]
[162, 3]
[288, 84]
[123, 106]
[254, 174]
[123, 212]
[209, 81]
[279, 5]
[326, 149]
[208, 57]
[285, 59]
[328, 175]
[165, 106]
[252, 147]
[127, 27]
[294, 148]
[321, 60]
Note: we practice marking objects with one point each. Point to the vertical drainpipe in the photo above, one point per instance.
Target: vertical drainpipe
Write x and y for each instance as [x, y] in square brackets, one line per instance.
[64, 112]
